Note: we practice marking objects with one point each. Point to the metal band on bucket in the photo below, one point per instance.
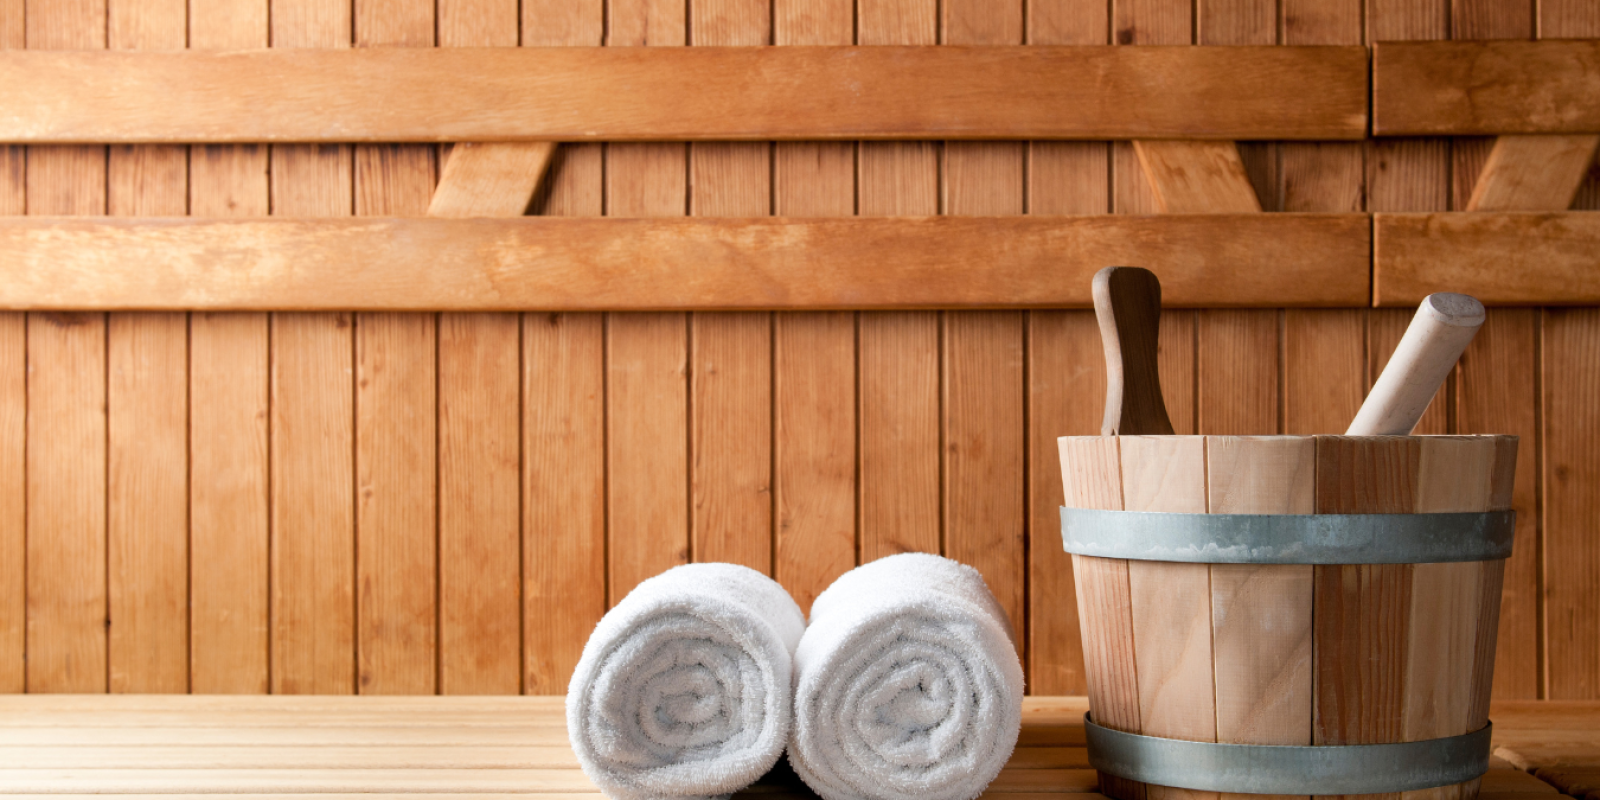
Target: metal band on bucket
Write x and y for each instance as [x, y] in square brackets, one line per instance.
[1273, 769]
[1289, 538]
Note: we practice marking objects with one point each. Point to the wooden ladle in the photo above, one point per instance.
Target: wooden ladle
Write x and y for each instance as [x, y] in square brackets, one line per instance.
[1127, 304]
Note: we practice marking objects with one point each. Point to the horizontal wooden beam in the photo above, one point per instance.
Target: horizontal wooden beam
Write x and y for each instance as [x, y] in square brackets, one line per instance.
[563, 264]
[1480, 88]
[675, 93]
[1508, 259]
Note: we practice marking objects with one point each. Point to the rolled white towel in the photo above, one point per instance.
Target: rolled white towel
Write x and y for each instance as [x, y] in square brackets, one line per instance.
[684, 688]
[907, 684]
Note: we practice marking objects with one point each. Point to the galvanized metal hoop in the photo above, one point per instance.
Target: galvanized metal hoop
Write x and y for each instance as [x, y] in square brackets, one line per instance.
[1277, 769]
[1289, 538]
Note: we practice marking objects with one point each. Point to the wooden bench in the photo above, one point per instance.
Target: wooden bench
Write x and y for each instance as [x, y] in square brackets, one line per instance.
[66, 745]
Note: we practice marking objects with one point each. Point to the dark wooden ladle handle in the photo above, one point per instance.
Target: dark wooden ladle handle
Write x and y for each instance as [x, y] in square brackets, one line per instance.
[1127, 303]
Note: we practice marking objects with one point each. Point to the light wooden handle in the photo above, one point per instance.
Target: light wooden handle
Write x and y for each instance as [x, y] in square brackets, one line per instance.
[1439, 334]
[1127, 303]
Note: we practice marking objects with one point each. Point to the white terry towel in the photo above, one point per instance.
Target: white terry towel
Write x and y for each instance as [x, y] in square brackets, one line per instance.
[684, 688]
[907, 684]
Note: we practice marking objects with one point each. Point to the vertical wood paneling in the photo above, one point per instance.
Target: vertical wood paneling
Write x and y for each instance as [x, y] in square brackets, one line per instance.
[396, 414]
[1065, 370]
[480, 524]
[66, 427]
[898, 352]
[13, 413]
[646, 354]
[814, 354]
[563, 414]
[1574, 19]
[313, 417]
[147, 501]
[731, 357]
[147, 531]
[564, 479]
[1571, 376]
[228, 410]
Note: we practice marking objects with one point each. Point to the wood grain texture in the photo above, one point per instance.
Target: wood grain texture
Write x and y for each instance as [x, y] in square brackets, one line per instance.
[426, 264]
[65, 463]
[1362, 611]
[1501, 259]
[1065, 383]
[1261, 615]
[1170, 602]
[1197, 177]
[984, 418]
[564, 386]
[1570, 364]
[14, 485]
[480, 404]
[440, 95]
[563, 416]
[1497, 393]
[490, 179]
[146, 501]
[1533, 173]
[814, 354]
[1476, 88]
[731, 354]
[13, 417]
[228, 356]
[1091, 475]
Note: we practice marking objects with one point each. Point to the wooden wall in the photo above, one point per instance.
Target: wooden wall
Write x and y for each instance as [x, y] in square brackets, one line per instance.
[414, 503]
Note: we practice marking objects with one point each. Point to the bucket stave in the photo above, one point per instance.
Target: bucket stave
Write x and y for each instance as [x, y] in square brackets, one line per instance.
[1306, 654]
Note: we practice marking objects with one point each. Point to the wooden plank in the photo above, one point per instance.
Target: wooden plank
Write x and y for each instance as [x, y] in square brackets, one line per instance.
[1091, 474]
[425, 264]
[396, 415]
[563, 422]
[1502, 259]
[814, 354]
[1066, 387]
[1477, 88]
[480, 444]
[984, 417]
[1171, 603]
[564, 492]
[1570, 361]
[1362, 611]
[1533, 173]
[147, 473]
[1497, 393]
[898, 354]
[267, 781]
[1261, 615]
[1453, 474]
[13, 416]
[396, 503]
[146, 503]
[600, 94]
[1065, 373]
[731, 354]
[490, 179]
[313, 645]
[437, 756]
[1196, 177]
[228, 411]
[66, 459]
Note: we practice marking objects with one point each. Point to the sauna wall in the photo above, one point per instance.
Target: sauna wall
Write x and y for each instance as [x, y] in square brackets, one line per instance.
[421, 503]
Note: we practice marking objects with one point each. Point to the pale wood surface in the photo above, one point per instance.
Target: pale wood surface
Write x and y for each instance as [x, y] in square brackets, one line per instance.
[425, 264]
[1475, 88]
[601, 94]
[72, 744]
[1500, 258]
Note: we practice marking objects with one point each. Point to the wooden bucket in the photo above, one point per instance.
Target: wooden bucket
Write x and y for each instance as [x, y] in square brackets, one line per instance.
[1302, 654]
